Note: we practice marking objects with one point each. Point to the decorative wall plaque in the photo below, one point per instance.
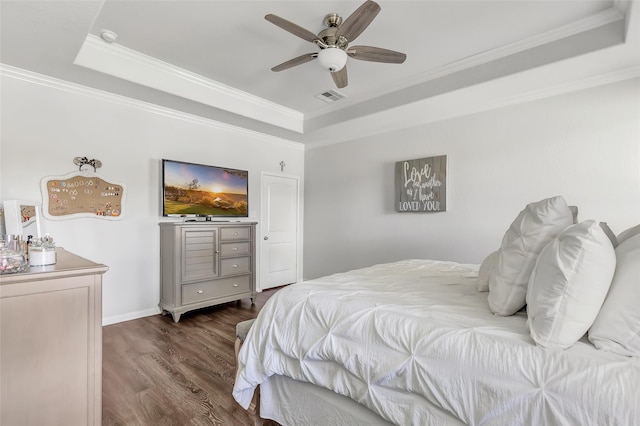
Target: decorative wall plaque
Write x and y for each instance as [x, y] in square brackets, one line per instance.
[421, 185]
[82, 194]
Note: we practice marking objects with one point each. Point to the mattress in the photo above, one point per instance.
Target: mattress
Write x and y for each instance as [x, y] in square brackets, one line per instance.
[404, 337]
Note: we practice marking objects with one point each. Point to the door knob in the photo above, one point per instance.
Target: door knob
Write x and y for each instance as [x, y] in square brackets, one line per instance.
[266, 238]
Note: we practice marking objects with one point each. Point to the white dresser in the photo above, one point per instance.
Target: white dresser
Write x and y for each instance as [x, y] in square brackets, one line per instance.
[51, 344]
[205, 263]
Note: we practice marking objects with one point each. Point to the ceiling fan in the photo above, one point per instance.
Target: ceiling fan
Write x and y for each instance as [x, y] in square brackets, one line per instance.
[334, 42]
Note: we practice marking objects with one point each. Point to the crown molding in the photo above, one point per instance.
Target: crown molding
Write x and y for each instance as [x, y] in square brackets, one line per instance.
[613, 14]
[574, 86]
[74, 88]
[77, 89]
[119, 61]
[440, 111]
[597, 20]
[594, 21]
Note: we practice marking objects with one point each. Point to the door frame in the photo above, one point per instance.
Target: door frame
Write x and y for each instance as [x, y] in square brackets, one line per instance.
[261, 232]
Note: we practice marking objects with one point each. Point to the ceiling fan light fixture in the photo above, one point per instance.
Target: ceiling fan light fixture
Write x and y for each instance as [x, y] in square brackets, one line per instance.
[332, 58]
[334, 40]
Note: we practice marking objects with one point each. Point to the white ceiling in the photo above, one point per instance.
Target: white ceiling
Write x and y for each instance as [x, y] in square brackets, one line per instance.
[213, 58]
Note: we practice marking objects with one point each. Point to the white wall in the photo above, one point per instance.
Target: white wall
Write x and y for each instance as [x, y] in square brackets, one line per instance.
[584, 146]
[44, 126]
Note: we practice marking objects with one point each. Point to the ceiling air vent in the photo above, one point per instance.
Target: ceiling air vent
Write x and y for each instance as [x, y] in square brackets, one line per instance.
[330, 96]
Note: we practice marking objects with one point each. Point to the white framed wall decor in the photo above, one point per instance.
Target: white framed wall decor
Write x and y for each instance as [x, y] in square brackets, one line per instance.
[22, 217]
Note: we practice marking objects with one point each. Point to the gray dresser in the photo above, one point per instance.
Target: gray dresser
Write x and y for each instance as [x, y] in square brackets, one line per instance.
[205, 263]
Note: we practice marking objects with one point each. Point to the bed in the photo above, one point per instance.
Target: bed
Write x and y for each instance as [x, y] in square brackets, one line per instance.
[415, 342]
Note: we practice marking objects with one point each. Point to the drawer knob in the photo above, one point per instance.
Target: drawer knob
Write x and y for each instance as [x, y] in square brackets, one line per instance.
[235, 265]
[235, 232]
[236, 285]
[200, 291]
[234, 249]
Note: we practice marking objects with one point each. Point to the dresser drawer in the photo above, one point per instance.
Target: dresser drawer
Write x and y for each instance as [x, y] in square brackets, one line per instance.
[198, 292]
[235, 249]
[236, 265]
[235, 233]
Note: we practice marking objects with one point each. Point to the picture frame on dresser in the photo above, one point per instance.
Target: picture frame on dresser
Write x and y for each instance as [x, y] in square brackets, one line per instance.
[22, 217]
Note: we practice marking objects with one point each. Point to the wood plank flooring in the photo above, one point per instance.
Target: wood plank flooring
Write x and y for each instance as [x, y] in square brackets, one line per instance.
[157, 372]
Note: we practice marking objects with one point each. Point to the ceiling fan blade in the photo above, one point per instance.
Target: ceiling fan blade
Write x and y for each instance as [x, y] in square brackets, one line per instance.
[295, 61]
[358, 20]
[291, 27]
[340, 78]
[376, 54]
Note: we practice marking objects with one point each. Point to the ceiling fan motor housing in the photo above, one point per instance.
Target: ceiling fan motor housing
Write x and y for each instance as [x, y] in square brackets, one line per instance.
[328, 38]
[332, 20]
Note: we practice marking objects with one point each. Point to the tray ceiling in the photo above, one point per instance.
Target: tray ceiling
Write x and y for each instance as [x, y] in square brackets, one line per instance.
[213, 58]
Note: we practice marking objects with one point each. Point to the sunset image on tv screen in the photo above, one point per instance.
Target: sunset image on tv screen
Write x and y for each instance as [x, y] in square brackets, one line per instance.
[195, 189]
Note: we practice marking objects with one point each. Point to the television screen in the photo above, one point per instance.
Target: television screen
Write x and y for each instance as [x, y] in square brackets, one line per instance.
[201, 190]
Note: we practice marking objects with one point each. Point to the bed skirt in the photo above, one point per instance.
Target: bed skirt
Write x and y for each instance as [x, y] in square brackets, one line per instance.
[290, 402]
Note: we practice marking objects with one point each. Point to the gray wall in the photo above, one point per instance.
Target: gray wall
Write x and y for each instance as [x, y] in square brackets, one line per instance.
[584, 146]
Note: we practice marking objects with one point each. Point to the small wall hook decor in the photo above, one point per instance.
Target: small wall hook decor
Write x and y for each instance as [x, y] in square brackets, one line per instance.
[84, 161]
[282, 164]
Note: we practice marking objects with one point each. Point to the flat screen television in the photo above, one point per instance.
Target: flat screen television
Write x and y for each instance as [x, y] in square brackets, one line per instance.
[190, 189]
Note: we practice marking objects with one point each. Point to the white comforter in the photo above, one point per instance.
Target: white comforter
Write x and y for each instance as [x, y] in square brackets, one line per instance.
[394, 335]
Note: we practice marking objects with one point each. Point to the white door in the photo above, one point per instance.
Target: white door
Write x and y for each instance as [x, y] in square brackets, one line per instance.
[279, 231]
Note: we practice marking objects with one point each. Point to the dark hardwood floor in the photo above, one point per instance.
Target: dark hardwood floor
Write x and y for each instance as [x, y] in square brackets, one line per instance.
[157, 372]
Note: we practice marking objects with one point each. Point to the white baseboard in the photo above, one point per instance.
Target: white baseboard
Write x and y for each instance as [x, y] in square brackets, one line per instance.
[130, 316]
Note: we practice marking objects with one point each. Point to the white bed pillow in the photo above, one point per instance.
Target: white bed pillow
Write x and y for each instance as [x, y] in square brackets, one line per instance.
[574, 212]
[628, 233]
[612, 237]
[485, 271]
[569, 284]
[534, 227]
[617, 326]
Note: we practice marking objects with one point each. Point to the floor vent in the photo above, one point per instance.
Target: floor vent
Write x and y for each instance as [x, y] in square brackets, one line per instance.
[330, 96]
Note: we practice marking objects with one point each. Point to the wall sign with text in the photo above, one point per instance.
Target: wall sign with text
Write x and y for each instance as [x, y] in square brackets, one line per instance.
[421, 185]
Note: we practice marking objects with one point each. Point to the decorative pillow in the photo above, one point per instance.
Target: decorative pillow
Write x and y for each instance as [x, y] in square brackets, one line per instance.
[617, 326]
[534, 227]
[628, 233]
[485, 270]
[569, 284]
[610, 234]
[574, 212]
